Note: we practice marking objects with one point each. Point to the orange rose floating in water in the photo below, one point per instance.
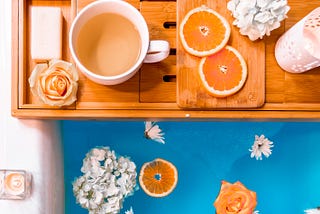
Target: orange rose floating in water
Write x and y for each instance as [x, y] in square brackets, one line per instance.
[235, 199]
[55, 84]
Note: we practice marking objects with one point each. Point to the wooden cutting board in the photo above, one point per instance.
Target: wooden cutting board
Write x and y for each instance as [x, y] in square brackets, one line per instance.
[191, 93]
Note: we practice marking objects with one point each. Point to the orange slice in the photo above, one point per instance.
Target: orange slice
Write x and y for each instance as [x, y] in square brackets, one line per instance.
[203, 31]
[223, 73]
[158, 178]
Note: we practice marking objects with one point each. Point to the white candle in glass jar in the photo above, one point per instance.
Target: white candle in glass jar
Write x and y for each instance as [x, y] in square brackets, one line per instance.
[14, 184]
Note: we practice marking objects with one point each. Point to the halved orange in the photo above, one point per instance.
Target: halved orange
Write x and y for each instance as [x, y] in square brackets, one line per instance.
[223, 73]
[158, 178]
[203, 31]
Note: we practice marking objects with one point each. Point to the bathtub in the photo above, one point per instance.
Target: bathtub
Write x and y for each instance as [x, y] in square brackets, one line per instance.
[205, 154]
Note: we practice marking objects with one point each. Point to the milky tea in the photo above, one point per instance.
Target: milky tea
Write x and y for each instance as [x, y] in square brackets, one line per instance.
[108, 44]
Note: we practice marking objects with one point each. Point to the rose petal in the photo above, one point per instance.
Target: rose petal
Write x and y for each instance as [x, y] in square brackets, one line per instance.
[235, 198]
[56, 83]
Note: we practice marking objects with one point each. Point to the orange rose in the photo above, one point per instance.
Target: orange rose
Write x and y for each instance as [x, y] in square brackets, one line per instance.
[235, 199]
[55, 84]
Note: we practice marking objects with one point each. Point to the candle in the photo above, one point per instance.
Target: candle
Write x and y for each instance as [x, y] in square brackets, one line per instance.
[14, 184]
[297, 50]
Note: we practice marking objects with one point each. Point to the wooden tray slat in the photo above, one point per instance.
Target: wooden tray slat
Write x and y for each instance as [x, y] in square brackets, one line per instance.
[158, 80]
[26, 64]
[152, 92]
[192, 94]
[161, 20]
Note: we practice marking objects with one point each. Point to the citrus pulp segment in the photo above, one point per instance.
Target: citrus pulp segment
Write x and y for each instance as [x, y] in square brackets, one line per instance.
[158, 178]
[223, 73]
[203, 31]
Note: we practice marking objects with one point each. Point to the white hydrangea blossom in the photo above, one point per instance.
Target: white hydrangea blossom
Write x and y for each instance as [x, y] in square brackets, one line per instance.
[261, 146]
[257, 18]
[105, 182]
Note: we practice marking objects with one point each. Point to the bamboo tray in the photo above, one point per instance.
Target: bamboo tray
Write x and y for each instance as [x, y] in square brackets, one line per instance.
[151, 93]
[190, 92]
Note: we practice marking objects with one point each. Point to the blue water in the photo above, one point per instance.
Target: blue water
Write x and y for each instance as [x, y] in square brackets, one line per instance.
[205, 153]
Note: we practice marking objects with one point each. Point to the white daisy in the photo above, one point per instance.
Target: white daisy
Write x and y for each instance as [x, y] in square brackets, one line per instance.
[261, 146]
[153, 132]
[129, 211]
[313, 211]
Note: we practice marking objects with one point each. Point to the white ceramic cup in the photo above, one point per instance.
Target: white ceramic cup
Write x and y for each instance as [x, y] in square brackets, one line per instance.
[150, 52]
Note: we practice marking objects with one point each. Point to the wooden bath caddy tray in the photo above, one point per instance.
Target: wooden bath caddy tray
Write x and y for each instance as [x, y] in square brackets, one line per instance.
[156, 92]
[191, 93]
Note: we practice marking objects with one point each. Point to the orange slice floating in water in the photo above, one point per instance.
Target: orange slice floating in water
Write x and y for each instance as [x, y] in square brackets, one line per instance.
[158, 178]
[223, 73]
[203, 31]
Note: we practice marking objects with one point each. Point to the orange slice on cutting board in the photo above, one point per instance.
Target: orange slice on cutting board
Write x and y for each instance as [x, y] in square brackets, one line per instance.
[203, 31]
[158, 178]
[223, 73]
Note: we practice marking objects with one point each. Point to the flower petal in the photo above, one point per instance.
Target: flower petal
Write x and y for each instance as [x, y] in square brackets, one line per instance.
[258, 17]
[55, 83]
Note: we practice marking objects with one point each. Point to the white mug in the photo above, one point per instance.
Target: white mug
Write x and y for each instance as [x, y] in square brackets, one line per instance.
[150, 51]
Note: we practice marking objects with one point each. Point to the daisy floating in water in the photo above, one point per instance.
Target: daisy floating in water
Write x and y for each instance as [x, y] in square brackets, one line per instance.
[261, 146]
[153, 132]
[129, 211]
[313, 211]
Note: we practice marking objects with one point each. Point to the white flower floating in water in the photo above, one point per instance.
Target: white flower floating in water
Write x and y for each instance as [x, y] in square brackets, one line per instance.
[129, 211]
[261, 146]
[55, 83]
[313, 211]
[106, 181]
[153, 132]
[257, 18]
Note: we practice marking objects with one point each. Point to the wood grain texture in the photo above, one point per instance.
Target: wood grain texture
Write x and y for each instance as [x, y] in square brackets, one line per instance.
[26, 63]
[301, 88]
[151, 94]
[190, 91]
[158, 80]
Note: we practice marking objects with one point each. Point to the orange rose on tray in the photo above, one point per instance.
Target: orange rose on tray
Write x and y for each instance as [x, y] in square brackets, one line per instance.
[235, 199]
[55, 83]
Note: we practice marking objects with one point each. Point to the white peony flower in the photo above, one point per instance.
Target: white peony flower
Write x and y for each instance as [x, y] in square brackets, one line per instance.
[153, 132]
[106, 181]
[257, 18]
[261, 146]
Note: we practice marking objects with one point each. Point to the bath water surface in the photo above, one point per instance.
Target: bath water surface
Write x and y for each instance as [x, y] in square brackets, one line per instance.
[205, 153]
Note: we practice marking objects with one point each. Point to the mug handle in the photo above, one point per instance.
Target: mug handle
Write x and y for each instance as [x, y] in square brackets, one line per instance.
[158, 50]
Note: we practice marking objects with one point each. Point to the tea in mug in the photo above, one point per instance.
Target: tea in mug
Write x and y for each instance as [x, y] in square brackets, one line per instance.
[108, 44]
